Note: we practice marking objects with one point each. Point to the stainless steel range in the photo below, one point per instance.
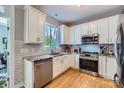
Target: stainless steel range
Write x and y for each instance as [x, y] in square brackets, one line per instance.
[89, 63]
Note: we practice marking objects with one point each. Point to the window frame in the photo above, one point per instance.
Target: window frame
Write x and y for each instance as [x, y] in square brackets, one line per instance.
[56, 35]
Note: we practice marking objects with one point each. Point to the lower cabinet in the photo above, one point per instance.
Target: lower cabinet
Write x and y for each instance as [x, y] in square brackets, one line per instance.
[62, 63]
[107, 67]
[71, 61]
[74, 61]
[56, 66]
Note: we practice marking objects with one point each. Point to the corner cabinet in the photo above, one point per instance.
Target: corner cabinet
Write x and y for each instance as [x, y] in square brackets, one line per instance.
[64, 35]
[60, 64]
[34, 22]
[103, 30]
[74, 61]
[93, 29]
[75, 32]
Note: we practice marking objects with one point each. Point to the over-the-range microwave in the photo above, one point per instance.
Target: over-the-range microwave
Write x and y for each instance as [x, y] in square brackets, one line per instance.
[90, 39]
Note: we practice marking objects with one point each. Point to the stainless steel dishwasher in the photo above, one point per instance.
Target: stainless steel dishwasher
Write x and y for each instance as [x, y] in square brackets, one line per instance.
[43, 72]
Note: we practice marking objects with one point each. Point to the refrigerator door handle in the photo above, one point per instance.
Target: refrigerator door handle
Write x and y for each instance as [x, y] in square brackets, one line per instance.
[115, 48]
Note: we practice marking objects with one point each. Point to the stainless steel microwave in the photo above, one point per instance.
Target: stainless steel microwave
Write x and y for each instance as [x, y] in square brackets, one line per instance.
[90, 39]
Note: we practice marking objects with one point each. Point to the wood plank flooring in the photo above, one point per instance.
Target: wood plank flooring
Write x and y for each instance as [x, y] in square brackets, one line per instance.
[75, 79]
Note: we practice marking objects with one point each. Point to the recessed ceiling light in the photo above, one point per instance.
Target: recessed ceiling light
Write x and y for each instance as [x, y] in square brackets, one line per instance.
[80, 5]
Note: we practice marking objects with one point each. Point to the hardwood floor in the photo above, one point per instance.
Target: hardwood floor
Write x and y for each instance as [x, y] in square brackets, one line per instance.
[75, 79]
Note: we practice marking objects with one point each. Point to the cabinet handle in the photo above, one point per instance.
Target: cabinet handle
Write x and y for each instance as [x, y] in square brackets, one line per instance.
[106, 67]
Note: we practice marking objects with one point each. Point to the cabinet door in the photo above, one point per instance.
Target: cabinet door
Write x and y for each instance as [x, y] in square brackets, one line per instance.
[111, 67]
[84, 29]
[41, 25]
[64, 35]
[72, 33]
[76, 61]
[66, 61]
[76, 34]
[93, 27]
[71, 61]
[102, 65]
[56, 66]
[113, 24]
[32, 25]
[103, 28]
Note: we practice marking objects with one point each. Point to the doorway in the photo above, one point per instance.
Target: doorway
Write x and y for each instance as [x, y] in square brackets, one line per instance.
[4, 52]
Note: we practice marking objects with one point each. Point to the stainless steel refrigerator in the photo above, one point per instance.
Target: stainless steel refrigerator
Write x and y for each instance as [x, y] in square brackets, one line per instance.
[119, 53]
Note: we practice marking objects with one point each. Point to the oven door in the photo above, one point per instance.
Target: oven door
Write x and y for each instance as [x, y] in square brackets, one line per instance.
[89, 65]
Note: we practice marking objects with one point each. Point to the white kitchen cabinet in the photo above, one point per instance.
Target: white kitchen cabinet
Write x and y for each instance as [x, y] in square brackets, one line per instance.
[113, 25]
[75, 31]
[107, 67]
[60, 64]
[111, 67]
[76, 61]
[93, 28]
[65, 37]
[84, 29]
[56, 66]
[66, 62]
[71, 60]
[102, 65]
[103, 30]
[34, 21]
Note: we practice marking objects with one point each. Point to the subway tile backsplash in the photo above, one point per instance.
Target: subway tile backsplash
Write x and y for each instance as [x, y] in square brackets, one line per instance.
[21, 51]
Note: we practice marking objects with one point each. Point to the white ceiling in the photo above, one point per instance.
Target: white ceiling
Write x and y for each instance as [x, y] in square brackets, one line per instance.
[73, 13]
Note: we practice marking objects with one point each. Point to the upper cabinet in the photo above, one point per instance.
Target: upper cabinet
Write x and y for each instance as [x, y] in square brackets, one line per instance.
[34, 25]
[106, 28]
[84, 29]
[75, 33]
[70, 35]
[93, 27]
[103, 30]
[113, 25]
[64, 35]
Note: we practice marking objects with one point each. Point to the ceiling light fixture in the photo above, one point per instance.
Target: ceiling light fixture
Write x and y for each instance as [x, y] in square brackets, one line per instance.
[79, 5]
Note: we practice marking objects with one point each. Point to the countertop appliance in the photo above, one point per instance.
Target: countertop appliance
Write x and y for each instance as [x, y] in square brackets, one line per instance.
[90, 39]
[89, 63]
[119, 53]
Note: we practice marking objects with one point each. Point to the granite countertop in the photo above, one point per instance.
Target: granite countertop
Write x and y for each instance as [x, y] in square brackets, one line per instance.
[49, 55]
[109, 55]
